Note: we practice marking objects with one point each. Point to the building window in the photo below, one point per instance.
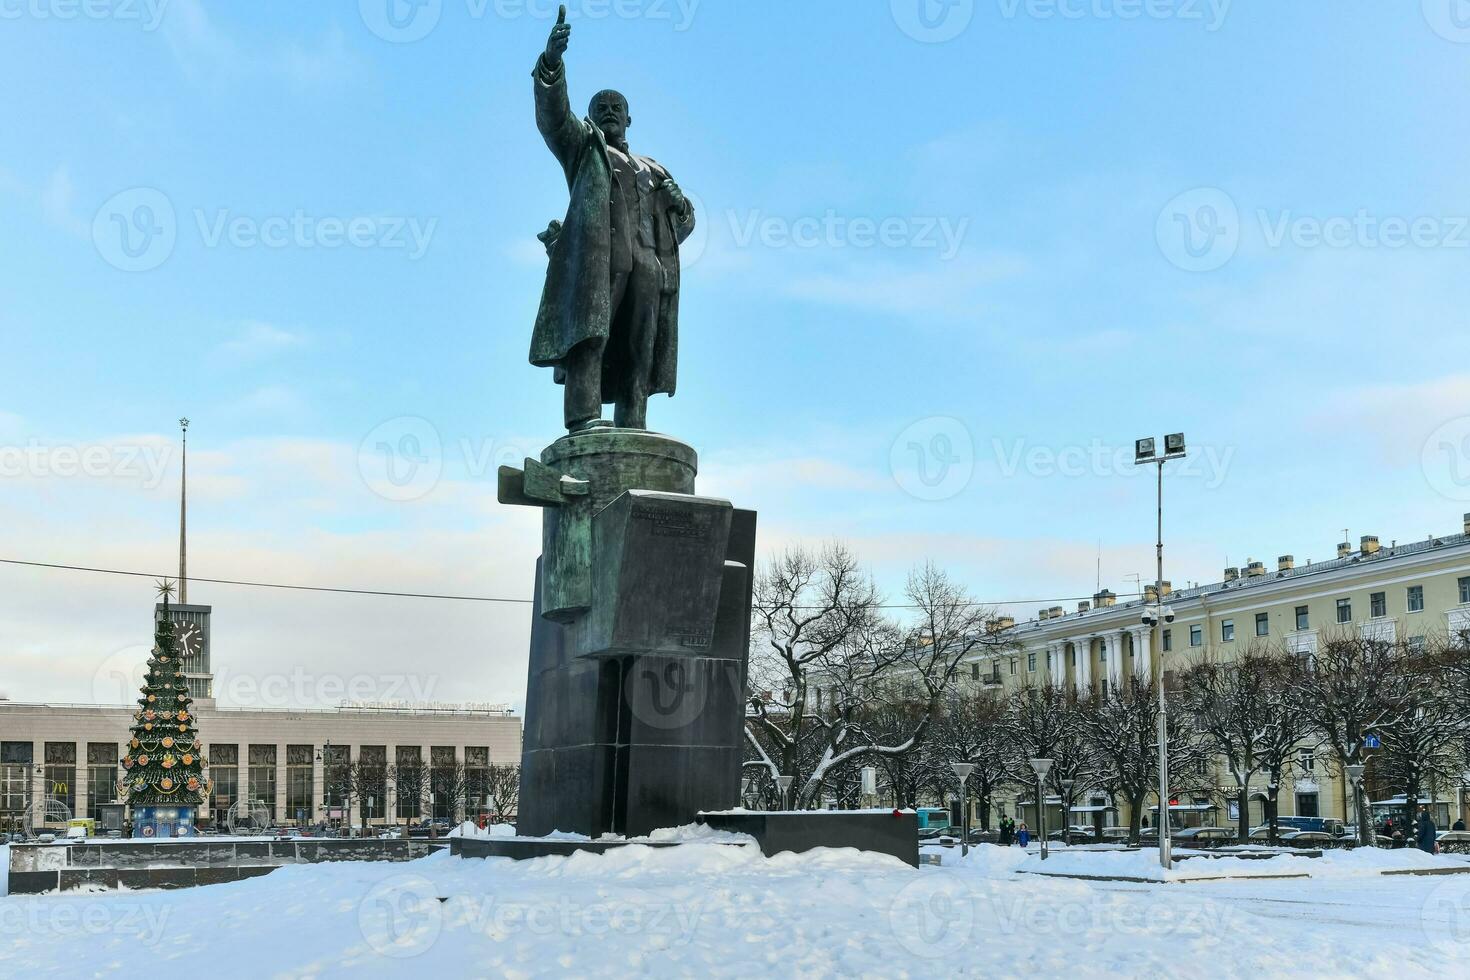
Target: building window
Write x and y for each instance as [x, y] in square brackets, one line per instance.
[1301, 618]
[263, 777]
[1013, 666]
[1344, 610]
[446, 782]
[1306, 805]
[975, 671]
[60, 778]
[1378, 605]
[299, 784]
[1227, 631]
[410, 780]
[1263, 624]
[1307, 762]
[1465, 591]
[101, 776]
[1416, 645]
[224, 773]
[372, 781]
[1168, 640]
[16, 759]
[1031, 662]
[337, 781]
[476, 779]
[1196, 636]
[1416, 598]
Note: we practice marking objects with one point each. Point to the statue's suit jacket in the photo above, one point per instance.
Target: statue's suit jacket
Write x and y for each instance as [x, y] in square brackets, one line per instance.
[576, 301]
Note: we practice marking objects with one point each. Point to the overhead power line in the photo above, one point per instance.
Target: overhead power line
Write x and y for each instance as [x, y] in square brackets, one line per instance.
[59, 566]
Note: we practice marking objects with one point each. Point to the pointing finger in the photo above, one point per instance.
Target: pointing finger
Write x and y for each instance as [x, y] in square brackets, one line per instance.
[561, 17]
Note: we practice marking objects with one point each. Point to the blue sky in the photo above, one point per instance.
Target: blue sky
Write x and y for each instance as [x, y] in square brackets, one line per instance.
[942, 282]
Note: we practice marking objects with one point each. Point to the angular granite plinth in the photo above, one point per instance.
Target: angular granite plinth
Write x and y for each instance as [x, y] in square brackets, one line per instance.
[639, 641]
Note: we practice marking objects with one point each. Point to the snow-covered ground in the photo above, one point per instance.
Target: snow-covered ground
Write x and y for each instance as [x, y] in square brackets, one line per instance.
[709, 909]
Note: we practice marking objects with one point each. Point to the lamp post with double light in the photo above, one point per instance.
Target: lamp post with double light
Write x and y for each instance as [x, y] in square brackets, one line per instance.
[1145, 453]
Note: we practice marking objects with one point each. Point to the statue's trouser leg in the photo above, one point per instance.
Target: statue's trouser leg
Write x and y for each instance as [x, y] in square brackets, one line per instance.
[640, 320]
[583, 394]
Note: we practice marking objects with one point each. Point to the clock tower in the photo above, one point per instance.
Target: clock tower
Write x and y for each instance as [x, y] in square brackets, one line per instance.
[192, 620]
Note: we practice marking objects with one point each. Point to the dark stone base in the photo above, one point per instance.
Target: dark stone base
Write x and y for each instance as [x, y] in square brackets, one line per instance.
[629, 744]
[37, 868]
[525, 848]
[881, 831]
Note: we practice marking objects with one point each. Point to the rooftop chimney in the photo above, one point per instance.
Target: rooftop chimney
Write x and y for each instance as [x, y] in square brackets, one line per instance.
[1167, 588]
[1467, 523]
[1104, 599]
[1005, 622]
[1057, 612]
[1084, 606]
[1285, 563]
[1344, 548]
[1255, 569]
[1370, 544]
[1150, 593]
[1232, 574]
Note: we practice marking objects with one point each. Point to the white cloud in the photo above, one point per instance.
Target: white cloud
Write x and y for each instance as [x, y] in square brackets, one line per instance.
[58, 204]
[256, 340]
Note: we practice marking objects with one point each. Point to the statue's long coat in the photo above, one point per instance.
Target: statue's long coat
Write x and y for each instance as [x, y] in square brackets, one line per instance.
[576, 301]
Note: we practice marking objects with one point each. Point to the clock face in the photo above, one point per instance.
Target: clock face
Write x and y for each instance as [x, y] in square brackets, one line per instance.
[190, 639]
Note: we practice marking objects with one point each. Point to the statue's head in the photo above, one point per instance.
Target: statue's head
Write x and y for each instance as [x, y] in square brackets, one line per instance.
[609, 110]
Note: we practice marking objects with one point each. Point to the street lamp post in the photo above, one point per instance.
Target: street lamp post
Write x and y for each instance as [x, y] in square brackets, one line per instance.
[962, 772]
[1067, 785]
[1355, 780]
[1145, 454]
[1041, 767]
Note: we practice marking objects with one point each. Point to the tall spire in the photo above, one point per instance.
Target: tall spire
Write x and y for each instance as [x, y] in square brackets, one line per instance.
[183, 518]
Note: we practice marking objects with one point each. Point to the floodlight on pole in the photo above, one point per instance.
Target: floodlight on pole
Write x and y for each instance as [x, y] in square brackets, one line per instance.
[1146, 454]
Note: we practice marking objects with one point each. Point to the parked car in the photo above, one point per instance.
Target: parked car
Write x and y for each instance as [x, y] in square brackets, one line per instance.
[1205, 836]
[1080, 835]
[1309, 838]
[1454, 841]
[1115, 835]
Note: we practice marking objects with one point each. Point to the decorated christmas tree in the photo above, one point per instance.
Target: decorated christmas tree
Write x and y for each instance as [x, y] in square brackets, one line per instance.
[165, 766]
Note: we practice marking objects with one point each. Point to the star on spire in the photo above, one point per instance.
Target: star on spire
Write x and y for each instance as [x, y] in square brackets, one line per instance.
[165, 590]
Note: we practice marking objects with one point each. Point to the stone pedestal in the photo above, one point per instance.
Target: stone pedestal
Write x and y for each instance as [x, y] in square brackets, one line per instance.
[640, 637]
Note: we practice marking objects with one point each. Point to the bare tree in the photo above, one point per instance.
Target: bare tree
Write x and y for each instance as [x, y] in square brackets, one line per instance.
[1122, 726]
[503, 790]
[972, 729]
[827, 660]
[1348, 690]
[1045, 722]
[1424, 749]
[1285, 732]
[1234, 706]
[410, 786]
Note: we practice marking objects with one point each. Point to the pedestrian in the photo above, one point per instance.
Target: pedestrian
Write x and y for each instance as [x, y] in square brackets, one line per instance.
[1005, 832]
[1426, 832]
[1023, 835]
[1458, 824]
